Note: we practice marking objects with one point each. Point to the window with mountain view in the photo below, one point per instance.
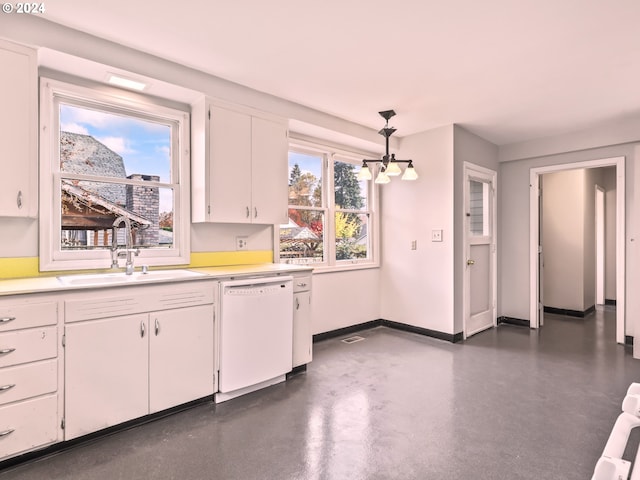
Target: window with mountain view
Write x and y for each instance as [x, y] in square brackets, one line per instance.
[112, 157]
[329, 212]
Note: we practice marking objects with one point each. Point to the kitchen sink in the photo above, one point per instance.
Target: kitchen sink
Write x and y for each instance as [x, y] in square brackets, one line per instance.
[121, 278]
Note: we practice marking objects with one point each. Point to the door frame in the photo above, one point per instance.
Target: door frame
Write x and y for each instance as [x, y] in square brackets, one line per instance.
[534, 216]
[600, 242]
[481, 173]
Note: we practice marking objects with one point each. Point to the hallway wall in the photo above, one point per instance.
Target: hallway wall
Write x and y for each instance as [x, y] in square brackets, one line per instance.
[563, 239]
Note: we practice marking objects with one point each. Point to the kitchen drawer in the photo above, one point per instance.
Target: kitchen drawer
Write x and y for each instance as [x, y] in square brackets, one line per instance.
[301, 284]
[27, 425]
[15, 316]
[30, 345]
[29, 380]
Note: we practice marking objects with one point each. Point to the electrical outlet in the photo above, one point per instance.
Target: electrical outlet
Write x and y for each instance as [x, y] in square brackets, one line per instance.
[414, 244]
[436, 235]
[242, 243]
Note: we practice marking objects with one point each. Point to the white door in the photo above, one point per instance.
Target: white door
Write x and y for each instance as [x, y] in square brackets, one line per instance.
[480, 249]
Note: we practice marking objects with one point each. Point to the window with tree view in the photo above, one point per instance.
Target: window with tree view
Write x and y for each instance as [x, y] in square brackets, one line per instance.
[329, 212]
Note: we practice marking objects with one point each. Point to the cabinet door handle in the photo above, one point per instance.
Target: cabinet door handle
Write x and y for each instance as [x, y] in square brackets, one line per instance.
[142, 329]
[7, 319]
[4, 388]
[255, 212]
[6, 432]
[157, 323]
[19, 199]
[297, 304]
[248, 212]
[7, 350]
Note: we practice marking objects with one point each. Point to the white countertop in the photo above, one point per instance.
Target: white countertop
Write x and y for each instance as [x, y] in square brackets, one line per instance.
[51, 284]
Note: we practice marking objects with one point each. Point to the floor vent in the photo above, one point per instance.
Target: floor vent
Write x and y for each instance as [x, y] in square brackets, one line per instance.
[354, 339]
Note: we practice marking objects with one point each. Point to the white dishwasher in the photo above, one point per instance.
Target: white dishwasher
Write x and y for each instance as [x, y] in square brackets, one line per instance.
[256, 334]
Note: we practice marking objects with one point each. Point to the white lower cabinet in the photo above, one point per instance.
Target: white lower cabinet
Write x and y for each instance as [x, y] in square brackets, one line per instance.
[302, 337]
[180, 356]
[125, 367]
[30, 404]
[106, 373]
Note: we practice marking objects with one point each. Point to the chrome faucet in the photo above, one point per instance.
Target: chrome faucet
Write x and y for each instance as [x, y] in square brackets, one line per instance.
[129, 251]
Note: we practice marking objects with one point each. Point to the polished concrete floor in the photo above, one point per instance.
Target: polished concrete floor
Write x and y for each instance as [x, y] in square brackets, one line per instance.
[509, 403]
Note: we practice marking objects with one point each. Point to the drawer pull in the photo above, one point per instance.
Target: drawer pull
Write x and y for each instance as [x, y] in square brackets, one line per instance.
[6, 432]
[7, 319]
[7, 350]
[4, 388]
[302, 284]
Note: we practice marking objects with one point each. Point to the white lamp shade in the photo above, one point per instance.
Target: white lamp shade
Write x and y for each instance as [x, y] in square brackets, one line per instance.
[382, 177]
[393, 169]
[410, 173]
[364, 174]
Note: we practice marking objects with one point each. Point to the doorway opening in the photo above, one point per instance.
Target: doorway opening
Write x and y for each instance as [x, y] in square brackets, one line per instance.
[537, 249]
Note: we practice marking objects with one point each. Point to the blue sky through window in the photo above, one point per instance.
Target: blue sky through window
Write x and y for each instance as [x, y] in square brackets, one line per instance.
[307, 163]
[144, 146]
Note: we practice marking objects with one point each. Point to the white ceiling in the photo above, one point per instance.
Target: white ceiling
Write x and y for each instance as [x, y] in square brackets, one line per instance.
[507, 70]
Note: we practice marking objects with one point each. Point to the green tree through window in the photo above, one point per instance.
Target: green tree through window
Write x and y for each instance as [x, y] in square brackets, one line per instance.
[321, 231]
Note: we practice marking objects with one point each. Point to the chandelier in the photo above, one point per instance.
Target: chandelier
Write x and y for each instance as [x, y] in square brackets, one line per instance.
[389, 167]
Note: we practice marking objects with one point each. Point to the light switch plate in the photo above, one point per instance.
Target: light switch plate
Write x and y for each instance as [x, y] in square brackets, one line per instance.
[436, 235]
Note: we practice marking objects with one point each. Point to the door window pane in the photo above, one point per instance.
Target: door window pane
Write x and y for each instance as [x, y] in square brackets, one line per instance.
[478, 208]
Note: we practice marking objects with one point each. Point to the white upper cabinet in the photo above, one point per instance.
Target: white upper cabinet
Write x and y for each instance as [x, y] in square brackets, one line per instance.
[18, 131]
[239, 165]
[269, 171]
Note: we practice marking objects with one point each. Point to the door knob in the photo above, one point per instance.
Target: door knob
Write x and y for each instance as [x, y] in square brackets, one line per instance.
[471, 262]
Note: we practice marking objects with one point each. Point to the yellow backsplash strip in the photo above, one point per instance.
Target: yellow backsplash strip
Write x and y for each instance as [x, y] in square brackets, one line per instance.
[19, 267]
[219, 259]
[22, 267]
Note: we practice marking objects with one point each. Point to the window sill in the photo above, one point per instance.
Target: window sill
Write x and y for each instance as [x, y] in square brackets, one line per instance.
[343, 268]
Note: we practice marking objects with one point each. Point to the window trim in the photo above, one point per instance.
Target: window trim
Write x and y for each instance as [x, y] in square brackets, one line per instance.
[52, 92]
[331, 154]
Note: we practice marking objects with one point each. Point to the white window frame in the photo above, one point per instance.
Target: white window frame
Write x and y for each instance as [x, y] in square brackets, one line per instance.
[52, 92]
[329, 156]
